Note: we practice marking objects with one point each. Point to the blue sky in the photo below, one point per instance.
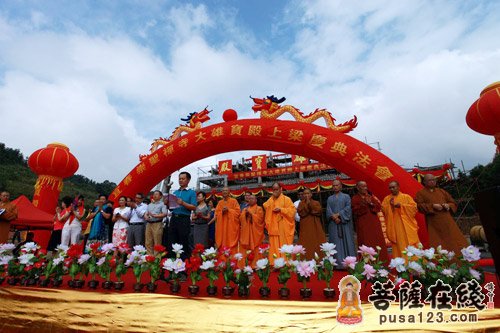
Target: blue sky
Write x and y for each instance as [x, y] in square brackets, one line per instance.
[108, 77]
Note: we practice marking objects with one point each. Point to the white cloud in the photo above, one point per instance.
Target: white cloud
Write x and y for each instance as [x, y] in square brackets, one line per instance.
[409, 71]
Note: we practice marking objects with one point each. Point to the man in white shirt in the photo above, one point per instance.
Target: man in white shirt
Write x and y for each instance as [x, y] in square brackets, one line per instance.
[300, 192]
[137, 224]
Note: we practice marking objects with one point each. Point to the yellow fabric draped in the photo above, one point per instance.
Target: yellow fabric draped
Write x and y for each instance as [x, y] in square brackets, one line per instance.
[50, 310]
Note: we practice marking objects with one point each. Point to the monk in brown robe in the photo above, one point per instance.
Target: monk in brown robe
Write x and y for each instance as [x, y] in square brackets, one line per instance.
[280, 221]
[437, 205]
[227, 228]
[368, 229]
[9, 213]
[399, 210]
[252, 228]
[311, 234]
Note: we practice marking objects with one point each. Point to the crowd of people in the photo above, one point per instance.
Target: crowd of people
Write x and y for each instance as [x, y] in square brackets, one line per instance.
[187, 218]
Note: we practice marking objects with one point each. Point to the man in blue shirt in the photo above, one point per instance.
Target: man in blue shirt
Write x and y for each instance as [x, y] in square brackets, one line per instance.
[180, 222]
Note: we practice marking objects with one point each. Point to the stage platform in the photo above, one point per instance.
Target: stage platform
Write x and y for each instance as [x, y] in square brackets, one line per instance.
[25, 309]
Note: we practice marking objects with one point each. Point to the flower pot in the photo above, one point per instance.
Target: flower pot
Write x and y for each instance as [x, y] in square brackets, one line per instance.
[175, 288]
[30, 282]
[284, 293]
[107, 285]
[329, 293]
[264, 292]
[45, 282]
[79, 284]
[243, 292]
[193, 290]
[57, 282]
[212, 290]
[151, 286]
[71, 283]
[2, 279]
[227, 291]
[93, 284]
[138, 287]
[12, 281]
[23, 281]
[119, 285]
[306, 293]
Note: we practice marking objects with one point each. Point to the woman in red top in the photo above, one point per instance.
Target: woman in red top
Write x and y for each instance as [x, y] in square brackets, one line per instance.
[55, 236]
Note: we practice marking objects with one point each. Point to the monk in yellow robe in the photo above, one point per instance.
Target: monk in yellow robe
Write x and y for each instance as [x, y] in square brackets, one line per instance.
[280, 221]
[399, 210]
[437, 205]
[227, 228]
[311, 234]
[252, 228]
[8, 212]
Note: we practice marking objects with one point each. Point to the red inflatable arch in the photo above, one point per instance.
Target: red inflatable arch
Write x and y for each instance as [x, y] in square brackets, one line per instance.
[351, 156]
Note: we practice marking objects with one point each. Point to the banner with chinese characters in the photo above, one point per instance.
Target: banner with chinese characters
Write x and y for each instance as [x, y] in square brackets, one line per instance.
[259, 162]
[299, 160]
[225, 167]
[279, 171]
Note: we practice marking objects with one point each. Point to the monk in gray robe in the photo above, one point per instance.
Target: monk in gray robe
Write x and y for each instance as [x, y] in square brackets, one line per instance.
[340, 226]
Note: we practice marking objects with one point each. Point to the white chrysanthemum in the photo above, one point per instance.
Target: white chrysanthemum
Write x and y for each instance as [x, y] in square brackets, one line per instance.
[248, 270]
[83, 258]
[238, 256]
[25, 259]
[262, 263]
[210, 252]
[279, 262]
[4, 260]
[398, 263]
[30, 247]
[206, 265]
[139, 248]
[109, 247]
[286, 249]
[429, 253]
[58, 261]
[177, 248]
[101, 261]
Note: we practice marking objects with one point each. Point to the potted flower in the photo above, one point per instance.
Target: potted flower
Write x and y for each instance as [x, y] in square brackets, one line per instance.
[95, 255]
[175, 266]
[6, 257]
[304, 270]
[284, 267]
[29, 260]
[226, 266]
[208, 265]
[73, 254]
[193, 268]
[137, 260]
[325, 267]
[154, 266]
[468, 269]
[83, 261]
[121, 269]
[105, 265]
[244, 278]
[367, 267]
[263, 270]
[58, 268]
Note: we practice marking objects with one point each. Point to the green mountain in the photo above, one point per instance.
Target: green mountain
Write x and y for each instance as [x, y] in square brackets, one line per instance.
[17, 178]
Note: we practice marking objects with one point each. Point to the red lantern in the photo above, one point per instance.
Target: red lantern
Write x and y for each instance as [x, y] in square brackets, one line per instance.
[51, 164]
[484, 114]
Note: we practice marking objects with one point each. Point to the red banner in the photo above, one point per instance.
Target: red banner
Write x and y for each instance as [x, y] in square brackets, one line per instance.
[259, 162]
[225, 167]
[279, 171]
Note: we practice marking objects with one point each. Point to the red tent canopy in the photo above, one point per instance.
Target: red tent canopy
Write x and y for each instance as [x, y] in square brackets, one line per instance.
[29, 216]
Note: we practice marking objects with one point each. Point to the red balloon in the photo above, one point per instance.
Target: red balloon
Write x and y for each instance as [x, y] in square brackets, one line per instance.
[230, 115]
[484, 114]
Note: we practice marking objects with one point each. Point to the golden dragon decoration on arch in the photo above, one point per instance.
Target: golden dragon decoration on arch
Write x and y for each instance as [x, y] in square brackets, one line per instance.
[270, 108]
[193, 121]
